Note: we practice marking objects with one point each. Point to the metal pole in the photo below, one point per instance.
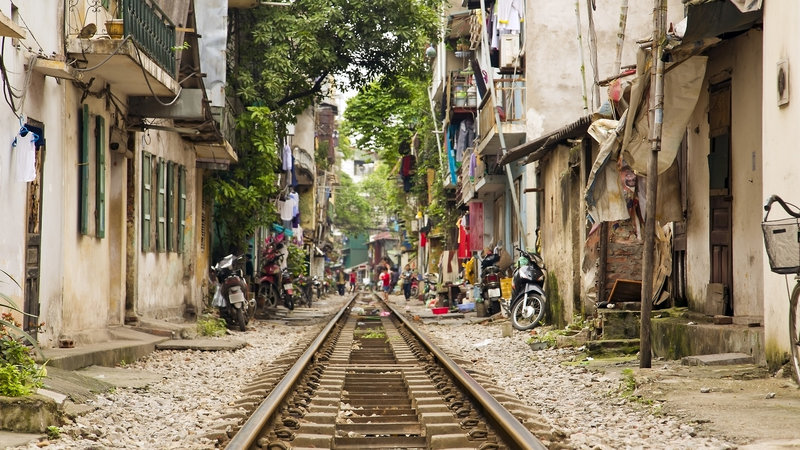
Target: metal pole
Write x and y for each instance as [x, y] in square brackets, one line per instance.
[493, 93]
[583, 60]
[593, 56]
[657, 114]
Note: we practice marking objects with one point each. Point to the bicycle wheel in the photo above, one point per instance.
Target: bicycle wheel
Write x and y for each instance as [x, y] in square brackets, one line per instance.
[794, 322]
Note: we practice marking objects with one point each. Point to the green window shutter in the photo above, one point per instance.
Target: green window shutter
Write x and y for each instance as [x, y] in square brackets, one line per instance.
[181, 207]
[83, 174]
[147, 199]
[161, 231]
[170, 210]
[100, 174]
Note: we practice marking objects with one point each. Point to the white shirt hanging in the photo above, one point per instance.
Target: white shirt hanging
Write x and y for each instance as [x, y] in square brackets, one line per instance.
[25, 154]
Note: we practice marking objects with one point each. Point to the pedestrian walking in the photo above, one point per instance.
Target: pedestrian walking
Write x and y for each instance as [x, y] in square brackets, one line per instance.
[406, 277]
[340, 281]
[385, 279]
[353, 280]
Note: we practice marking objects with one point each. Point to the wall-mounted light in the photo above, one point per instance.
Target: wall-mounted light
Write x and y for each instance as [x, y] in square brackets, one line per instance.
[430, 52]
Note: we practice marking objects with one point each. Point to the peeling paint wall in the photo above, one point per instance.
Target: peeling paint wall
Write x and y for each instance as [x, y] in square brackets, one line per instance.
[164, 278]
[741, 58]
[780, 163]
[44, 102]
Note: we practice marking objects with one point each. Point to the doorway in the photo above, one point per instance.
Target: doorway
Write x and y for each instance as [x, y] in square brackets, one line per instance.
[720, 198]
[33, 236]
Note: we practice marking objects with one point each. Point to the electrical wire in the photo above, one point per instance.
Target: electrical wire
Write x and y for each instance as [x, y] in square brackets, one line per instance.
[7, 94]
[41, 50]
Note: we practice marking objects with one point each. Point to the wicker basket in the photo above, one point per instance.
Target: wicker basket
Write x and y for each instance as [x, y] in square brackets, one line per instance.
[782, 241]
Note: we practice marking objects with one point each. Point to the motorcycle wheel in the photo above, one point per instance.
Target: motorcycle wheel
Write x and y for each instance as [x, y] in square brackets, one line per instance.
[288, 302]
[309, 298]
[240, 319]
[414, 291]
[527, 311]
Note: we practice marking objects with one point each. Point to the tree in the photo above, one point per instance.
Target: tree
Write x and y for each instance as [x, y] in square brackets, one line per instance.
[293, 52]
[243, 195]
[352, 212]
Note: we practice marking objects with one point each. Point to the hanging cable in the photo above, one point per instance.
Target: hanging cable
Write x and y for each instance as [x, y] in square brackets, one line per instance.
[7, 94]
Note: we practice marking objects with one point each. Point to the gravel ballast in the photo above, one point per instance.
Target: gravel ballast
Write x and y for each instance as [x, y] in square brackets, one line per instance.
[198, 388]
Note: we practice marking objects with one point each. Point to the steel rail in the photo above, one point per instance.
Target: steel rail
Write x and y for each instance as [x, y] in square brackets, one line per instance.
[506, 422]
[251, 429]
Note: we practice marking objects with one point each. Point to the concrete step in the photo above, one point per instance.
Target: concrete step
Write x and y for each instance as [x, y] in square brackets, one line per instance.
[619, 324]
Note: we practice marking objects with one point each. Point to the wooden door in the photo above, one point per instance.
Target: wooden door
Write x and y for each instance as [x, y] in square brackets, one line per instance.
[34, 236]
[720, 198]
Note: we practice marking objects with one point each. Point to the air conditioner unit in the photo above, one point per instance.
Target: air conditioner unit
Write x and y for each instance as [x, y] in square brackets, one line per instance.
[509, 51]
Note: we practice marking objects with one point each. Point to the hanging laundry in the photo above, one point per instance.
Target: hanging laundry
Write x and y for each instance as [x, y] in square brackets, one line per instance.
[463, 238]
[506, 19]
[464, 138]
[287, 158]
[25, 151]
[423, 239]
[406, 168]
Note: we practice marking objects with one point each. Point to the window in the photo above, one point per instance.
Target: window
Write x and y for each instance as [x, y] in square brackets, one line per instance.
[161, 230]
[83, 173]
[181, 207]
[100, 181]
[147, 199]
[86, 201]
[169, 201]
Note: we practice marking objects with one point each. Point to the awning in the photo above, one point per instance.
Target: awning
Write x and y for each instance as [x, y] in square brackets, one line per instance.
[707, 19]
[382, 236]
[540, 146]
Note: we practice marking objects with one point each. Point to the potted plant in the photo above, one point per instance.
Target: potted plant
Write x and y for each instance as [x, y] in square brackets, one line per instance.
[114, 26]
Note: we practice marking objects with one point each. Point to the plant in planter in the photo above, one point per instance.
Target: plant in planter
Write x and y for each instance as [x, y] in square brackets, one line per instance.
[462, 45]
[114, 26]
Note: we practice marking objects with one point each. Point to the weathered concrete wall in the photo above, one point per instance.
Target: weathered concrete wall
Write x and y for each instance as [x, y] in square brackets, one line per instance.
[557, 239]
[164, 287]
[44, 102]
[673, 339]
[740, 58]
[780, 169]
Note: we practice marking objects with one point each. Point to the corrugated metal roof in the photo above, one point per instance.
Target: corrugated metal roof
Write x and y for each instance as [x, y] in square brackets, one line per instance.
[539, 147]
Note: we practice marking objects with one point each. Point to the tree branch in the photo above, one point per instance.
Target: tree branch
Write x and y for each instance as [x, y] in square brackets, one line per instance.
[314, 89]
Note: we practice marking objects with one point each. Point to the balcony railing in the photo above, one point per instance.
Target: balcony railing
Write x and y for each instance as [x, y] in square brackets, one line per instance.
[144, 21]
[151, 28]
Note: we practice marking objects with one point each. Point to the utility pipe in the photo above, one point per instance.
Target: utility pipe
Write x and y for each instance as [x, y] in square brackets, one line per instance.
[657, 119]
[493, 92]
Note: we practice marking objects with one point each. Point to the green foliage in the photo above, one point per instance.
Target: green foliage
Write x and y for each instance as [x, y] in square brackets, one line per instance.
[628, 382]
[372, 333]
[53, 432]
[243, 196]
[19, 373]
[293, 51]
[297, 260]
[352, 212]
[208, 325]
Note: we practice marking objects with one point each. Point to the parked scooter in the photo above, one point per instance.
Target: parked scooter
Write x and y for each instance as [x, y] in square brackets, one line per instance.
[270, 279]
[287, 289]
[490, 281]
[231, 293]
[527, 293]
[305, 293]
[316, 285]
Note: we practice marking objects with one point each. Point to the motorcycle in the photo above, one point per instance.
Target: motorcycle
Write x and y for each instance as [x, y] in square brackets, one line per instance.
[270, 278]
[414, 286]
[316, 286]
[490, 281]
[527, 293]
[304, 290]
[287, 289]
[231, 294]
[429, 291]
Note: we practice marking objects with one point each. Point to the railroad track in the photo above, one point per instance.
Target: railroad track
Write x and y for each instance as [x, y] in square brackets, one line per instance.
[374, 381]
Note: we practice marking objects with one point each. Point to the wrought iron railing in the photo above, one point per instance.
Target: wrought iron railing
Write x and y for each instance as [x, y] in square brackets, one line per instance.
[144, 22]
[152, 29]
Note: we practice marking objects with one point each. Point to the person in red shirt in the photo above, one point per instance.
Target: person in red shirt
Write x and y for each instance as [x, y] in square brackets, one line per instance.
[386, 280]
[353, 281]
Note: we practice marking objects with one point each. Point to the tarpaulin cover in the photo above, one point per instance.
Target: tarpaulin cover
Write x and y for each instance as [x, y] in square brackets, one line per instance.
[710, 19]
[682, 84]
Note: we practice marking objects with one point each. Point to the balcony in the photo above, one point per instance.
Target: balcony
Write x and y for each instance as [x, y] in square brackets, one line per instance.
[305, 167]
[140, 62]
[511, 109]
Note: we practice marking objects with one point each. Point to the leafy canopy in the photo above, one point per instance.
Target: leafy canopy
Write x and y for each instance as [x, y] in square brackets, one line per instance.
[292, 51]
[352, 211]
[243, 195]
